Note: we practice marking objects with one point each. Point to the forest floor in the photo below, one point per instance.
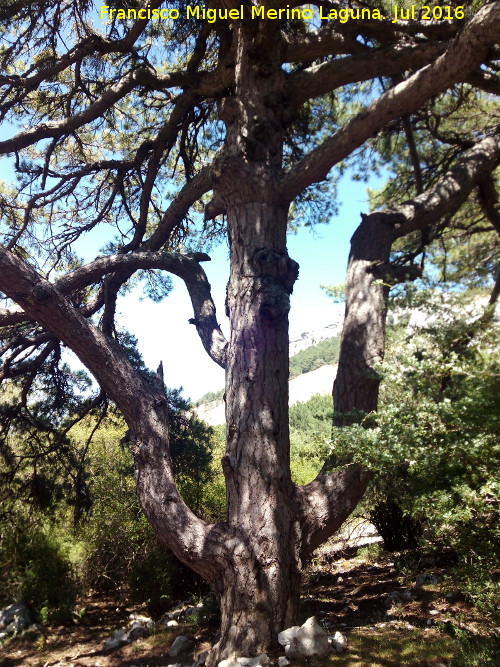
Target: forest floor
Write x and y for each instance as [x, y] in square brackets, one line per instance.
[346, 590]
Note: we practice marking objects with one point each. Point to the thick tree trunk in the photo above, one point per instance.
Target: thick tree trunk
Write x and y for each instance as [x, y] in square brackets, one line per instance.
[370, 274]
[355, 390]
[259, 588]
[260, 585]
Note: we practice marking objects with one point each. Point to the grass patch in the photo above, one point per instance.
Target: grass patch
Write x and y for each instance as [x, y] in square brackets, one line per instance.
[394, 647]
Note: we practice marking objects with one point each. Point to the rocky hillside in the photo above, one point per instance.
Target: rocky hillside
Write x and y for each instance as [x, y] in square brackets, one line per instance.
[313, 357]
[319, 381]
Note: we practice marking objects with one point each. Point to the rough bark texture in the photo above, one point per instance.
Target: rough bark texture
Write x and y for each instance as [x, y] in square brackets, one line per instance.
[370, 274]
[254, 559]
[256, 465]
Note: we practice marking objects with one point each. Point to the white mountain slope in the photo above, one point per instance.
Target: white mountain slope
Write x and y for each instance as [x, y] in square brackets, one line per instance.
[301, 388]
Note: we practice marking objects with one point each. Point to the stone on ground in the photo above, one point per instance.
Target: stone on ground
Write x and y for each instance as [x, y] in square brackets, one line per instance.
[305, 642]
[181, 644]
[338, 642]
[14, 619]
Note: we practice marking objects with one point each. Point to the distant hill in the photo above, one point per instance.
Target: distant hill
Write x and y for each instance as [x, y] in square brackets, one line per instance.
[308, 338]
[312, 371]
[318, 381]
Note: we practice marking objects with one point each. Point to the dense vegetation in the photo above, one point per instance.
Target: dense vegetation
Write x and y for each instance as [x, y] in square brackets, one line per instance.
[54, 547]
[433, 453]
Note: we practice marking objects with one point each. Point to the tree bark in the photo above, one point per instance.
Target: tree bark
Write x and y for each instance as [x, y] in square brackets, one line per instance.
[355, 390]
[260, 583]
[254, 559]
[370, 275]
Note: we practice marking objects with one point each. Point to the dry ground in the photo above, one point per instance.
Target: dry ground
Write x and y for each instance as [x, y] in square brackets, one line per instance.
[346, 594]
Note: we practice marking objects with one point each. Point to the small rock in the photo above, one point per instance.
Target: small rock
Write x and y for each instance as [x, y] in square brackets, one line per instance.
[283, 662]
[434, 612]
[228, 662]
[426, 579]
[172, 624]
[181, 644]
[137, 631]
[120, 637]
[407, 595]
[338, 642]
[15, 618]
[287, 635]
[143, 620]
[190, 611]
[258, 661]
[310, 640]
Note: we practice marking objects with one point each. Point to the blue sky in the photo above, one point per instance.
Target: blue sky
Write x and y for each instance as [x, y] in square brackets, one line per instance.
[163, 331]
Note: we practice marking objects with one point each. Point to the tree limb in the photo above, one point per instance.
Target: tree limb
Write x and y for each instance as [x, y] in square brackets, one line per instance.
[484, 81]
[463, 55]
[448, 194]
[490, 201]
[326, 502]
[186, 268]
[141, 401]
[371, 63]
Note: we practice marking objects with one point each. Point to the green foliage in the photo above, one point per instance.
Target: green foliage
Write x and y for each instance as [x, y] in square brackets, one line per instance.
[36, 565]
[214, 493]
[46, 558]
[433, 446]
[315, 356]
[336, 292]
[122, 553]
[475, 650]
[310, 429]
[210, 397]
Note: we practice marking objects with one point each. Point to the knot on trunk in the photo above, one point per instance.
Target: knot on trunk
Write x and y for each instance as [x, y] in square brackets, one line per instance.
[275, 304]
[229, 109]
[42, 292]
[276, 265]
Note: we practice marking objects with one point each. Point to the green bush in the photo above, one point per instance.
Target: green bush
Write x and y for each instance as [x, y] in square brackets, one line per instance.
[36, 567]
[310, 430]
[433, 448]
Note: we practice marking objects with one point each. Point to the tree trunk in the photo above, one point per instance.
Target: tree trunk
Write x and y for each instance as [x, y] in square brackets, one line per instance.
[260, 585]
[355, 390]
[253, 560]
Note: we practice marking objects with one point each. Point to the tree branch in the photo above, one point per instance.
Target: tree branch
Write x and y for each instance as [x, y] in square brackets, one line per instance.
[490, 201]
[371, 63]
[448, 194]
[326, 502]
[58, 128]
[325, 42]
[141, 401]
[186, 268]
[484, 81]
[463, 55]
